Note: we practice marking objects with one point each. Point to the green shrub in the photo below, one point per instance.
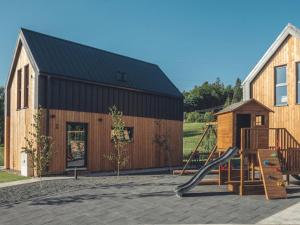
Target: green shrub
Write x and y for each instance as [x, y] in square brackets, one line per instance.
[197, 117]
[209, 117]
[193, 117]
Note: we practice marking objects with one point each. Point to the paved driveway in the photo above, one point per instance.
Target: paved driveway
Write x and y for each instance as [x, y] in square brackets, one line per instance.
[140, 200]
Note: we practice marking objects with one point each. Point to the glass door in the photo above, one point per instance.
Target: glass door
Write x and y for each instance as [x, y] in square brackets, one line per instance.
[76, 145]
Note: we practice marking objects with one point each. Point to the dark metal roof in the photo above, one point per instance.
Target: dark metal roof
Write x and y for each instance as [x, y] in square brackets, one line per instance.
[64, 58]
[235, 106]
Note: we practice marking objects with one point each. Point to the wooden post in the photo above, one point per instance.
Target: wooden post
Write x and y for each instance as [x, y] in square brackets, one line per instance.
[220, 175]
[211, 154]
[276, 139]
[242, 173]
[242, 163]
[252, 167]
[229, 170]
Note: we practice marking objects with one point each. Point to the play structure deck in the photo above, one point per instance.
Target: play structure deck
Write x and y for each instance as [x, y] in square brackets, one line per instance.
[266, 156]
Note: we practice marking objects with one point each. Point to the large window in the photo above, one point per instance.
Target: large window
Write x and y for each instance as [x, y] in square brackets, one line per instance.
[76, 145]
[26, 85]
[298, 81]
[280, 86]
[19, 88]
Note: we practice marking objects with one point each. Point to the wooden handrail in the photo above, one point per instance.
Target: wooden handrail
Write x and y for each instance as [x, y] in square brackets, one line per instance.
[277, 138]
[289, 160]
[211, 154]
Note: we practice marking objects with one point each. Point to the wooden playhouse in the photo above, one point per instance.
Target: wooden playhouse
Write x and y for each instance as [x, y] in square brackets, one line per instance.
[266, 154]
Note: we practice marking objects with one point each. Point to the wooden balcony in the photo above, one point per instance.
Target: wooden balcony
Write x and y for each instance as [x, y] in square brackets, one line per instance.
[253, 139]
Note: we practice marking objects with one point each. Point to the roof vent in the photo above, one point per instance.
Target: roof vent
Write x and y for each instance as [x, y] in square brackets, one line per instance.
[121, 76]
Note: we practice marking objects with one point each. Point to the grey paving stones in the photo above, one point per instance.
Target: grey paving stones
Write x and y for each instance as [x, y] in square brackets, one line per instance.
[137, 199]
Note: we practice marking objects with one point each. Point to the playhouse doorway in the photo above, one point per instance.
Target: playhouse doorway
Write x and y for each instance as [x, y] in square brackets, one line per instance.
[242, 121]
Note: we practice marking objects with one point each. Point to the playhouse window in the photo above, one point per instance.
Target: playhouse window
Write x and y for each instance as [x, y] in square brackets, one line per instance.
[280, 86]
[128, 134]
[259, 120]
[298, 81]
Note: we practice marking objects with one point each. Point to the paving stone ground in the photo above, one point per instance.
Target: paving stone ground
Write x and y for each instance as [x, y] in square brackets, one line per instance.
[142, 199]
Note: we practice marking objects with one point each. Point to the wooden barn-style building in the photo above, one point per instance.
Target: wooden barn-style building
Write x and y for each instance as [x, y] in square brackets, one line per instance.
[75, 85]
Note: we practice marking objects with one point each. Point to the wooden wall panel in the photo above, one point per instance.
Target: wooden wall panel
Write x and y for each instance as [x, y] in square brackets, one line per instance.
[81, 96]
[143, 152]
[262, 88]
[225, 131]
[18, 123]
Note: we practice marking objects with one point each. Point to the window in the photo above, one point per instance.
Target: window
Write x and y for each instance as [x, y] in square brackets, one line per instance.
[280, 86]
[259, 120]
[26, 85]
[19, 88]
[121, 76]
[298, 82]
[76, 145]
[128, 134]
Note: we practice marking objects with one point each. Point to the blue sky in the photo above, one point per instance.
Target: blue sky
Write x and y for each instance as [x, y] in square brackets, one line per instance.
[192, 41]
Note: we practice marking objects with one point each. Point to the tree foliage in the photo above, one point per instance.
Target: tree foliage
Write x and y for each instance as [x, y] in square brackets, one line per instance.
[163, 145]
[119, 155]
[210, 95]
[38, 146]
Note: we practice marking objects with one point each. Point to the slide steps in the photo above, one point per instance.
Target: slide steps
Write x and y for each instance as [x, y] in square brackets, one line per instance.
[255, 187]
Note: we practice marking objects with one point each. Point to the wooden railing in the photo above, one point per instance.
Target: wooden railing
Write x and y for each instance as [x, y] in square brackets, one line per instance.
[289, 160]
[267, 138]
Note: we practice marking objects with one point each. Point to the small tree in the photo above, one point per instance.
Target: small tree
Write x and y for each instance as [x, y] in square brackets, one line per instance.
[119, 155]
[237, 91]
[163, 144]
[38, 147]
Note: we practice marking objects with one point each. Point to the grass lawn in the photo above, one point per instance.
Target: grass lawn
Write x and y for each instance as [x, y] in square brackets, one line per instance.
[191, 136]
[7, 177]
[1, 155]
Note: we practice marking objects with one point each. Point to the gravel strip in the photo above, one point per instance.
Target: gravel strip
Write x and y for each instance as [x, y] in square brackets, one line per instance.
[20, 193]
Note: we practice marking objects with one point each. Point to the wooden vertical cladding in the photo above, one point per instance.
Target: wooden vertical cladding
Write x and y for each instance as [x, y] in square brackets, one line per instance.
[225, 130]
[66, 94]
[19, 113]
[143, 151]
[262, 88]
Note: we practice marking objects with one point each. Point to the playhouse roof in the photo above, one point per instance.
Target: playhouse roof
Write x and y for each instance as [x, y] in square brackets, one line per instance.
[63, 58]
[287, 31]
[235, 106]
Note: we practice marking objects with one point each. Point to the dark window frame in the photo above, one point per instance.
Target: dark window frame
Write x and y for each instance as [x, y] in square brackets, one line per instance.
[26, 86]
[19, 89]
[86, 144]
[280, 85]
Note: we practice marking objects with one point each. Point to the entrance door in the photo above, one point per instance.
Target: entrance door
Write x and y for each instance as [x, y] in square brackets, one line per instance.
[242, 121]
[76, 145]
